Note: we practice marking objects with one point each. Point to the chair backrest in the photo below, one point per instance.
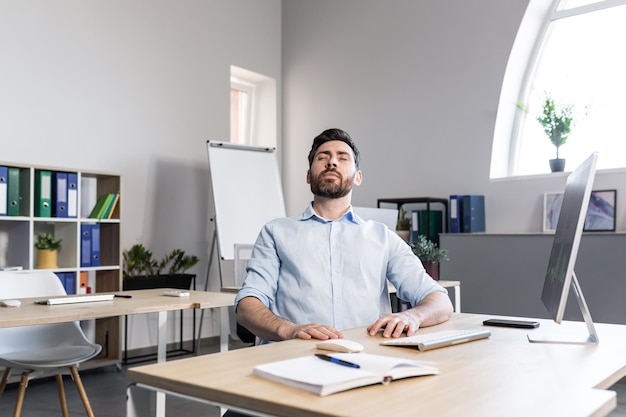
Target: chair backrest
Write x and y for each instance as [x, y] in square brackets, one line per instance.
[23, 284]
[383, 215]
[243, 252]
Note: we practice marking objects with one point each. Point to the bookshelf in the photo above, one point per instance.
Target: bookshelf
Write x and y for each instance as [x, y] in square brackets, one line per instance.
[427, 201]
[19, 231]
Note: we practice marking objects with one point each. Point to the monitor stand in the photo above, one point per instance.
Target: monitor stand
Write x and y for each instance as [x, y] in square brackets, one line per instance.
[567, 336]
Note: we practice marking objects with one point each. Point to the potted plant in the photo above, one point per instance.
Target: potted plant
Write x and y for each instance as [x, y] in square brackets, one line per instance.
[430, 254]
[403, 226]
[142, 271]
[557, 121]
[47, 251]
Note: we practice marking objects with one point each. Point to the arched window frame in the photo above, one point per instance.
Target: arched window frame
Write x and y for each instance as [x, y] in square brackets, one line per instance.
[519, 75]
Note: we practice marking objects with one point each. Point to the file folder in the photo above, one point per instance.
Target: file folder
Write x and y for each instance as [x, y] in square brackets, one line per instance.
[4, 179]
[111, 208]
[98, 211]
[95, 244]
[473, 213]
[72, 194]
[83, 283]
[456, 214]
[59, 206]
[85, 244]
[43, 194]
[13, 192]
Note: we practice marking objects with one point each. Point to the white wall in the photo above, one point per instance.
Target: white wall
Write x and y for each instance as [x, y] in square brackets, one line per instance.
[416, 84]
[134, 87]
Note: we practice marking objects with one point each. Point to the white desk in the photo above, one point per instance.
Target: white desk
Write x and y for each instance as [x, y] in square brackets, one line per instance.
[446, 284]
[504, 375]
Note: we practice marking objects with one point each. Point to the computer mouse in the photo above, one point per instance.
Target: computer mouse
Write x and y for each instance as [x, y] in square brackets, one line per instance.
[10, 303]
[340, 345]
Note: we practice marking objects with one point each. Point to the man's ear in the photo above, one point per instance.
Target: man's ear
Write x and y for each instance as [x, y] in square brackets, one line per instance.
[358, 178]
[308, 176]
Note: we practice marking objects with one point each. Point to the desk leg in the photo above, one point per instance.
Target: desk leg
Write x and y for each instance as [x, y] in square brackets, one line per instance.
[457, 298]
[137, 402]
[224, 328]
[161, 357]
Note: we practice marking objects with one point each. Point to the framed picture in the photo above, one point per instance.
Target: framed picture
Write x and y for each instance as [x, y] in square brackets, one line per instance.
[600, 213]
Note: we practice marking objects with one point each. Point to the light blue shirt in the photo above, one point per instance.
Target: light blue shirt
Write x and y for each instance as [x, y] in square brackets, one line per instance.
[307, 269]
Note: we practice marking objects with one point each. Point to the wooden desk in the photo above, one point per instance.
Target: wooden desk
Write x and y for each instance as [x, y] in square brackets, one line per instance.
[502, 375]
[445, 284]
[142, 301]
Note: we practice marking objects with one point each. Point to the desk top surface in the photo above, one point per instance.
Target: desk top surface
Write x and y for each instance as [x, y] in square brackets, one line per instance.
[142, 301]
[502, 375]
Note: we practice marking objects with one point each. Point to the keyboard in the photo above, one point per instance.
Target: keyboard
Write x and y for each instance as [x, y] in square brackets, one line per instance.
[438, 339]
[76, 299]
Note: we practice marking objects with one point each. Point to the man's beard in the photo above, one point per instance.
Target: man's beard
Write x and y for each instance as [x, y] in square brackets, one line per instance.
[330, 189]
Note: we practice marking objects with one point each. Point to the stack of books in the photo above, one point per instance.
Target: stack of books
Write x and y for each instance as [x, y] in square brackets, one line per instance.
[467, 214]
[105, 206]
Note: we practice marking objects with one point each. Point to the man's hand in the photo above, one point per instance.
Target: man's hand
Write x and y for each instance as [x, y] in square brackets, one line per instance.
[314, 331]
[395, 324]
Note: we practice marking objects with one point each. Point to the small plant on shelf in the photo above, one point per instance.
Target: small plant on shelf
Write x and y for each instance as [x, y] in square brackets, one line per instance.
[47, 250]
[46, 241]
[404, 223]
[428, 251]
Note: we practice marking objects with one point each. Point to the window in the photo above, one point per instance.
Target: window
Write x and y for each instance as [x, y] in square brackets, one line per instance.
[572, 52]
[253, 108]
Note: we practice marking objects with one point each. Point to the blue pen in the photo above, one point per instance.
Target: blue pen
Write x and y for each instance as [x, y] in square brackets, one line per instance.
[337, 361]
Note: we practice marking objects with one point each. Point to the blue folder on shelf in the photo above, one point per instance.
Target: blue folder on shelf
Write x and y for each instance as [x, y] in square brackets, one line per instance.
[95, 244]
[59, 189]
[456, 214]
[4, 174]
[85, 244]
[473, 213]
[72, 194]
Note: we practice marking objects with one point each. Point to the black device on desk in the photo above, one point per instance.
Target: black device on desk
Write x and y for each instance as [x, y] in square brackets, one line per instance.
[521, 324]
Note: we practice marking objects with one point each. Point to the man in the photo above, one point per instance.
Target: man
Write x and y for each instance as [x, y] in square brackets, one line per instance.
[312, 275]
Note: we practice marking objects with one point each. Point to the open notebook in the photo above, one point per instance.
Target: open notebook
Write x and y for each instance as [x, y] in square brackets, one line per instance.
[323, 378]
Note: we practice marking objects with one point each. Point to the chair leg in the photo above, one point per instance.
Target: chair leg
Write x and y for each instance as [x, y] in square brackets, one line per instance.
[3, 382]
[20, 395]
[81, 390]
[62, 399]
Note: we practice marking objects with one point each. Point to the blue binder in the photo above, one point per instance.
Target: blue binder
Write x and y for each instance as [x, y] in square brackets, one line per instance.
[85, 244]
[473, 213]
[95, 244]
[4, 173]
[59, 194]
[72, 194]
[455, 224]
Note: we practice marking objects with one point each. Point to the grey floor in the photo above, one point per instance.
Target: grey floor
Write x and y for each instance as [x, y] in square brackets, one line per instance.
[106, 388]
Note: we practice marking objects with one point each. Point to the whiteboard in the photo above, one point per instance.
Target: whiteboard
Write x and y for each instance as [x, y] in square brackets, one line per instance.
[247, 192]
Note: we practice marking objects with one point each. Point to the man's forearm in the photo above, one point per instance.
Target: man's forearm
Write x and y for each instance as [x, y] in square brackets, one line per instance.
[254, 316]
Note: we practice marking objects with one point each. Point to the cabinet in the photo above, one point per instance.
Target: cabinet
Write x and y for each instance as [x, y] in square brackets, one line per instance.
[18, 233]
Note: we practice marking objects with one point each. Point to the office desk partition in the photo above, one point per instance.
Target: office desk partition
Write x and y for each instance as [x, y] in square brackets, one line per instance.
[502, 375]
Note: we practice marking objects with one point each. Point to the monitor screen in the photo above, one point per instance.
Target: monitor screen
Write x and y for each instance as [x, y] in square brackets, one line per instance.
[567, 236]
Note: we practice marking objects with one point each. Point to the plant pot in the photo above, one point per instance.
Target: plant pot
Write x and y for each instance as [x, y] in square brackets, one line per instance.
[46, 259]
[557, 165]
[404, 234]
[432, 268]
[179, 281]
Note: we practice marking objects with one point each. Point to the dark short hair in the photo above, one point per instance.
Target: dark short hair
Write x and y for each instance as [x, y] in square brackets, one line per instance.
[334, 134]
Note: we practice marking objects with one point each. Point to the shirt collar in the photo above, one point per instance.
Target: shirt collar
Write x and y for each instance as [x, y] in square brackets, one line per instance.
[309, 214]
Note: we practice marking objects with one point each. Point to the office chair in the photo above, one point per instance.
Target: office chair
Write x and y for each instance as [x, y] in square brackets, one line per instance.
[45, 349]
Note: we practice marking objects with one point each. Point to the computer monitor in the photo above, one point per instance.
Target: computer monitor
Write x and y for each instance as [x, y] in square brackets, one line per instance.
[560, 274]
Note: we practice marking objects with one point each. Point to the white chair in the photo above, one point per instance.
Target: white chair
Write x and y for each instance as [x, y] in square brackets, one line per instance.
[42, 349]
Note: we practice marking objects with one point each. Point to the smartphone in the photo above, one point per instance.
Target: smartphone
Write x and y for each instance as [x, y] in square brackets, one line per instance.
[523, 324]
